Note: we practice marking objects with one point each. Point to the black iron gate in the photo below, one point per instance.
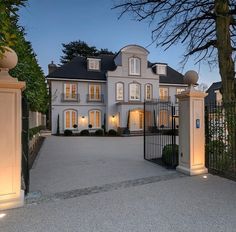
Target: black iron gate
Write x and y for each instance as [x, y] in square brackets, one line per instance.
[25, 145]
[161, 133]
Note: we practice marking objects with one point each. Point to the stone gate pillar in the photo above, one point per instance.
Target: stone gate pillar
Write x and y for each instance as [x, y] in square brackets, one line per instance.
[11, 195]
[191, 128]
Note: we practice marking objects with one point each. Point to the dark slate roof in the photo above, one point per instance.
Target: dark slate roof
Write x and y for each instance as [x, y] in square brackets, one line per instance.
[172, 77]
[77, 69]
[211, 97]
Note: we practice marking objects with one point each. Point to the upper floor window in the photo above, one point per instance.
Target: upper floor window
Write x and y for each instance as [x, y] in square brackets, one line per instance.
[70, 91]
[179, 91]
[134, 92]
[70, 119]
[93, 64]
[134, 66]
[95, 92]
[161, 69]
[148, 92]
[95, 118]
[119, 91]
[163, 94]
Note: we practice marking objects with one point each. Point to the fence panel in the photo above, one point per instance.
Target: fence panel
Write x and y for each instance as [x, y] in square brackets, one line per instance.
[221, 139]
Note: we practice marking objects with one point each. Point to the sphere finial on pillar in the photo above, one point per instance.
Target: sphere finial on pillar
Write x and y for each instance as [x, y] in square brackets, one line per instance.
[8, 61]
[191, 78]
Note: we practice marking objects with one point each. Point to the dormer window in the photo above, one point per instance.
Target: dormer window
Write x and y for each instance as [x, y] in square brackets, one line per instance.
[161, 69]
[134, 66]
[93, 64]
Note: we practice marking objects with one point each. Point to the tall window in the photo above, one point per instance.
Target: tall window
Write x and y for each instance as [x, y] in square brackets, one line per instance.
[134, 66]
[70, 119]
[178, 91]
[164, 94]
[95, 92]
[70, 91]
[95, 118]
[134, 92]
[119, 91]
[148, 92]
[163, 118]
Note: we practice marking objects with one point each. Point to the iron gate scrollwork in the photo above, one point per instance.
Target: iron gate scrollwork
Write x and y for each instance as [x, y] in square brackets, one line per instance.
[161, 133]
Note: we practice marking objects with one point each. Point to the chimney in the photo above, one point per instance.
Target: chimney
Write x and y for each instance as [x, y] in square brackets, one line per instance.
[51, 67]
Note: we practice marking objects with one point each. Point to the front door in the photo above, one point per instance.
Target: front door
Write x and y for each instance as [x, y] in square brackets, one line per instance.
[136, 120]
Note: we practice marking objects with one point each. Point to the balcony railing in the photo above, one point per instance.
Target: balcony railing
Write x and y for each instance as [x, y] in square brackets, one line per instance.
[164, 99]
[95, 98]
[70, 97]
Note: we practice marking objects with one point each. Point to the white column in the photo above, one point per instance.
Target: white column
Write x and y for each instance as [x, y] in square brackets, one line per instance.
[11, 195]
[191, 129]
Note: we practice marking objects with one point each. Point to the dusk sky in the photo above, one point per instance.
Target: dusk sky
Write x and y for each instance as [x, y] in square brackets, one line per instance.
[49, 23]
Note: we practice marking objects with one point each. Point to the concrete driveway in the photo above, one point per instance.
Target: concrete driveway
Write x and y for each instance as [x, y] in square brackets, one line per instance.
[67, 163]
[104, 185]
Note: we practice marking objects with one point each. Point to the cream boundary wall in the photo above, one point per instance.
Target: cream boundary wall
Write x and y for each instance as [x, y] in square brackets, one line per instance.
[191, 138]
[11, 195]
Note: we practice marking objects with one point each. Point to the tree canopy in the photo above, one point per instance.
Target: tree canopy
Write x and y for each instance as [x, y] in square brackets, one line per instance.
[80, 48]
[27, 69]
[207, 28]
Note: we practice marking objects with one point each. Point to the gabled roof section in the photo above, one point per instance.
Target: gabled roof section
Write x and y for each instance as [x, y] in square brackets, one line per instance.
[77, 69]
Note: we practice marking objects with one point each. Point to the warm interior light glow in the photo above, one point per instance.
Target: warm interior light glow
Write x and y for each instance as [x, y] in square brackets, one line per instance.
[2, 215]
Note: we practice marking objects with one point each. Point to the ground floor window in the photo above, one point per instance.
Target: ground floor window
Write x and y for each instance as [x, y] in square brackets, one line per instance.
[95, 118]
[70, 119]
[163, 118]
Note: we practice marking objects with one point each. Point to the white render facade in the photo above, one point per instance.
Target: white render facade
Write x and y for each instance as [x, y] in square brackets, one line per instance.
[109, 90]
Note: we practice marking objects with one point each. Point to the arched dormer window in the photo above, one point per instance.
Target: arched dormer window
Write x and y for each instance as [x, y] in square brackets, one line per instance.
[134, 66]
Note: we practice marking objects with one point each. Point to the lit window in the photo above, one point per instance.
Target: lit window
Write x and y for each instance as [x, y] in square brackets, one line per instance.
[164, 94]
[163, 118]
[95, 118]
[95, 92]
[148, 92]
[119, 91]
[134, 92]
[161, 69]
[70, 91]
[179, 91]
[70, 117]
[93, 64]
[134, 66]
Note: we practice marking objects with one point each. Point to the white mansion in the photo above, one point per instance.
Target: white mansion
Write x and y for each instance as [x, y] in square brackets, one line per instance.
[109, 89]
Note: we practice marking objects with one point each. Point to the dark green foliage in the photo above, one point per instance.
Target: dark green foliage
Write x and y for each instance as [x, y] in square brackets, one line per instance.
[80, 48]
[170, 155]
[84, 133]
[99, 132]
[58, 124]
[90, 126]
[68, 132]
[112, 132]
[35, 130]
[8, 16]
[218, 156]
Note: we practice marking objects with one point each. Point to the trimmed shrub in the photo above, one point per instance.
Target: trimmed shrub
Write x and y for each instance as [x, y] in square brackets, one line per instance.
[170, 155]
[112, 132]
[68, 133]
[99, 132]
[35, 130]
[84, 133]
